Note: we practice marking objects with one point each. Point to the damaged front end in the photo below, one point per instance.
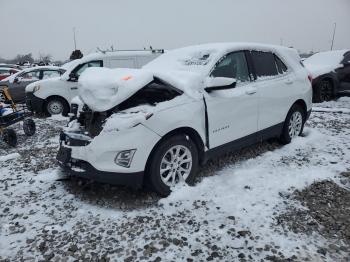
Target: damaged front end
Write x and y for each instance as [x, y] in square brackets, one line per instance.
[104, 145]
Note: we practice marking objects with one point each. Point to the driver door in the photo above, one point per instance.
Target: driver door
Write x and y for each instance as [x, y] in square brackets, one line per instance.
[232, 113]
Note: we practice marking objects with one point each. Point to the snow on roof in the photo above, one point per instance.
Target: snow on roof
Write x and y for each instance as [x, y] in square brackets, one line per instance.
[202, 58]
[12, 77]
[69, 66]
[324, 62]
[9, 68]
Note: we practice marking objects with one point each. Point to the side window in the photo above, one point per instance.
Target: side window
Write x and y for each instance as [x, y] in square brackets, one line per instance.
[264, 63]
[30, 76]
[281, 67]
[346, 59]
[233, 65]
[80, 69]
[122, 63]
[50, 74]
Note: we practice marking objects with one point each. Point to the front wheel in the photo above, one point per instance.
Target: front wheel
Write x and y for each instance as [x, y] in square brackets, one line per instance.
[294, 124]
[175, 161]
[56, 106]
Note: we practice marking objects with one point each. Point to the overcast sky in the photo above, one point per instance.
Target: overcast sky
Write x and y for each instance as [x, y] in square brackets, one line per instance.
[46, 26]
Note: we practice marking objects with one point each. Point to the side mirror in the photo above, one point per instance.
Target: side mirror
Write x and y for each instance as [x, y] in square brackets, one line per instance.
[73, 77]
[16, 80]
[219, 83]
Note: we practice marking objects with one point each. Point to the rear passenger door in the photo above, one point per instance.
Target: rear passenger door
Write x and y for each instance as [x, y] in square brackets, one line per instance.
[273, 82]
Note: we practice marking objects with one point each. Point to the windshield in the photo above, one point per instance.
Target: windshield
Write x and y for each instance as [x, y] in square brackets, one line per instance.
[192, 59]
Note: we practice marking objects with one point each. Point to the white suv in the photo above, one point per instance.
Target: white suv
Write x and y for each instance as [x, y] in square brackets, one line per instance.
[158, 123]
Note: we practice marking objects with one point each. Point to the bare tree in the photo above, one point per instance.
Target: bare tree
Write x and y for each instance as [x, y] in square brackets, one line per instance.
[45, 58]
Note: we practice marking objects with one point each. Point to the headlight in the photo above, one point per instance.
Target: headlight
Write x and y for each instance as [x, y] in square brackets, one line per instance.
[124, 158]
[36, 88]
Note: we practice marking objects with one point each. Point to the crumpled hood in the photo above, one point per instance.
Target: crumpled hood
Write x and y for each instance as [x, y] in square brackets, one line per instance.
[103, 88]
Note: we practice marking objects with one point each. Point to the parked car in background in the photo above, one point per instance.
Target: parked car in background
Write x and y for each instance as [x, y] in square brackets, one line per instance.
[331, 74]
[18, 82]
[159, 123]
[10, 66]
[53, 96]
[6, 72]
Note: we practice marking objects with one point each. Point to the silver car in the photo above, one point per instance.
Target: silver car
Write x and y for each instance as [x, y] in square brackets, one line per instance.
[18, 82]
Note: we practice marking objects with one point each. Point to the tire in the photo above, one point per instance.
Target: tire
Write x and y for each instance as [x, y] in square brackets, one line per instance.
[294, 124]
[29, 127]
[56, 106]
[323, 91]
[162, 158]
[9, 136]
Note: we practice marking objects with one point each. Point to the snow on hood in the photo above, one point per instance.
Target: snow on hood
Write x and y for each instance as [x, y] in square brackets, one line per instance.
[103, 88]
[324, 62]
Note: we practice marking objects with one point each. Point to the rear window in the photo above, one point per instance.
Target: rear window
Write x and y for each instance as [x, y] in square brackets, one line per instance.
[281, 67]
[264, 63]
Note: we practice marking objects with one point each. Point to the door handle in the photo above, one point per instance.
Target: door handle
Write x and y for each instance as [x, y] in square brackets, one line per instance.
[289, 81]
[250, 92]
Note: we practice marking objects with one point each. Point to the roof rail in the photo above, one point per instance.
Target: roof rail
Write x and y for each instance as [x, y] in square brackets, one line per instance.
[158, 51]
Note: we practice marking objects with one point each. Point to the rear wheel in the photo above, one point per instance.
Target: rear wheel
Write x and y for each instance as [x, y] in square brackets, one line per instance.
[294, 124]
[56, 106]
[174, 161]
[323, 91]
[10, 137]
[29, 127]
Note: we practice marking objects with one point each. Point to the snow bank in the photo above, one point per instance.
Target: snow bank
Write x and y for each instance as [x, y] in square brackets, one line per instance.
[324, 62]
[103, 88]
[9, 157]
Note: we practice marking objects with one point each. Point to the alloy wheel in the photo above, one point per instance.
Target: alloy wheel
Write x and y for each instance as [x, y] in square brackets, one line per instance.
[325, 91]
[55, 107]
[176, 165]
[295, 124]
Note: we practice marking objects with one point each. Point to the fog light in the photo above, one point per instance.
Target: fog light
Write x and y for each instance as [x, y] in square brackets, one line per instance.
[124, 158]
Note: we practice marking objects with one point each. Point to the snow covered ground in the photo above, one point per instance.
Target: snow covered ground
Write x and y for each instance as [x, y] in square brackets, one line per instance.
[230, 214]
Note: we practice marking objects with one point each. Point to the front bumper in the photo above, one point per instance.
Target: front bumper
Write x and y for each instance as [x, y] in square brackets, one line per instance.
[34, 103]
[94, 158]
[82, 169]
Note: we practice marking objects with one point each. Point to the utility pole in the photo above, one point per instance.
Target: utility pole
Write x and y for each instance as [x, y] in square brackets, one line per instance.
[75, 41]
[335, 27]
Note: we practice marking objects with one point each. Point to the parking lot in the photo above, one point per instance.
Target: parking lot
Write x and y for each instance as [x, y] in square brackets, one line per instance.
[264, 202]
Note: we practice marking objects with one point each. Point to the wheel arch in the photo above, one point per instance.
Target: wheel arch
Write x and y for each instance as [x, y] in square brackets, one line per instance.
[52, 97]
[327, 77]
[302, 104]
[187, 131]
[56, 96]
